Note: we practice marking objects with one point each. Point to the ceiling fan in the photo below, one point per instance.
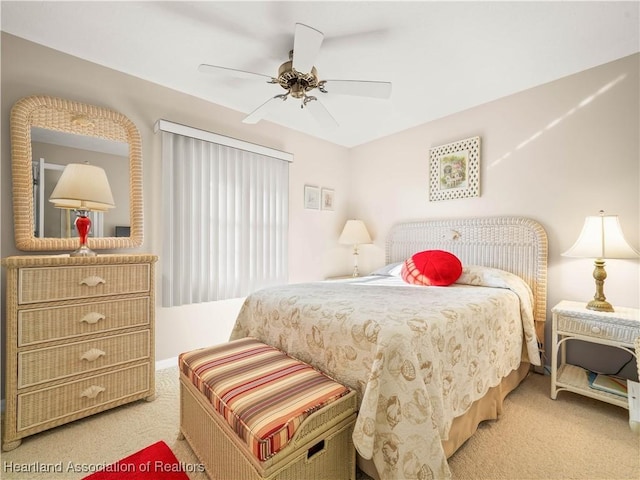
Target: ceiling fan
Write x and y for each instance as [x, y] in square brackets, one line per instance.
[298, 76]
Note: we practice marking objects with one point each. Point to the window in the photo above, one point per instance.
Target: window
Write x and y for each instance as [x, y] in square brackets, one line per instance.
[225, 209]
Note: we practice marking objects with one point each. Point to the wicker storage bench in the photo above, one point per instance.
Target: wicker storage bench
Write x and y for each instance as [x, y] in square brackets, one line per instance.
[249, 411]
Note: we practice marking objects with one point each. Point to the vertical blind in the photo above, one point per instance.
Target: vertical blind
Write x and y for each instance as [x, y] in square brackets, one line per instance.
[225, 217]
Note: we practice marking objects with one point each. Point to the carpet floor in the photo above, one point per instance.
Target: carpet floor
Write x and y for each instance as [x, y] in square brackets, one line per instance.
[536, 438]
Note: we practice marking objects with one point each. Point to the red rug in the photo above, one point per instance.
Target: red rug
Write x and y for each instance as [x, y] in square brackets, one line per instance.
[155, 462]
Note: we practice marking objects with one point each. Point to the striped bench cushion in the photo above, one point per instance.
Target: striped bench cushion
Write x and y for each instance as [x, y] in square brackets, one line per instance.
[262, 393]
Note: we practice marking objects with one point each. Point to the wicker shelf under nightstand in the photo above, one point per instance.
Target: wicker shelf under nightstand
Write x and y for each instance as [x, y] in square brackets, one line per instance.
[572, 321]
[79, 338]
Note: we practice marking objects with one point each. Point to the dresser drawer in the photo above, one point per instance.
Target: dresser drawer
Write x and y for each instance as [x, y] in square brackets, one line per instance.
[40, 325]
[46, 364]
[52, 405]
[48, 284]
[599, 329]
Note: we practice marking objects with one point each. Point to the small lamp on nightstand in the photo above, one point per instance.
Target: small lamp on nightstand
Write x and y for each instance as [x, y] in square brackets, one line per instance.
[601, 238]
[354, 233]
[83, 188]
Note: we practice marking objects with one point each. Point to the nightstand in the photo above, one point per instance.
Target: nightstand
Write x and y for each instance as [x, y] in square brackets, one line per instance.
[341, 277]
[573, 321]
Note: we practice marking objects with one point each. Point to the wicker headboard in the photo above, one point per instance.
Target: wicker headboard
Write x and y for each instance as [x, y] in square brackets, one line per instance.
[515, 244]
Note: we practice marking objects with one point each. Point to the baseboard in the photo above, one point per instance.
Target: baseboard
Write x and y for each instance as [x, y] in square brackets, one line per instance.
[166, 363]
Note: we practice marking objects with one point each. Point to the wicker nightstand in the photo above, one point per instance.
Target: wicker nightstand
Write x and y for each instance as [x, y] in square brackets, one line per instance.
[341, 277]
[634, 395]
[572, 321]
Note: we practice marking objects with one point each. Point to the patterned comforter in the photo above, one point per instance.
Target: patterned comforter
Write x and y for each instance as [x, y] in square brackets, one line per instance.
[418, 356]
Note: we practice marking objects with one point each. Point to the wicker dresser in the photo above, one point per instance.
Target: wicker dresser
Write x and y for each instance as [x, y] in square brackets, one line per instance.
[79, 338]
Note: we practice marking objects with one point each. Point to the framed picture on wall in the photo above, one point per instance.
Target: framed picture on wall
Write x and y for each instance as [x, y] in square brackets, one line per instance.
[327, 199]
[311, 197]
[454, 170]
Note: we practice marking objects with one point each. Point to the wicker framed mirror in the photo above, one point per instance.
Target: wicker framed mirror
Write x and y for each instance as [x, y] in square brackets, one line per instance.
[73, 130]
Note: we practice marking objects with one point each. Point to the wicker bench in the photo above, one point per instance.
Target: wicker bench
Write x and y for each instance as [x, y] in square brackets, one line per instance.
[249, 411]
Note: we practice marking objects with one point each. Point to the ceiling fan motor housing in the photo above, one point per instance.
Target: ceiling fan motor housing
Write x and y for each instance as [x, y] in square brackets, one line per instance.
[295, 82]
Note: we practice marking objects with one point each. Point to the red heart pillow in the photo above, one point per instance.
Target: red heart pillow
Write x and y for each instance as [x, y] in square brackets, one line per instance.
[432, 267]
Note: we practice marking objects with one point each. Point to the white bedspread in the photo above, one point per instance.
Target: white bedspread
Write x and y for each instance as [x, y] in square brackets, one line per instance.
[418, 356]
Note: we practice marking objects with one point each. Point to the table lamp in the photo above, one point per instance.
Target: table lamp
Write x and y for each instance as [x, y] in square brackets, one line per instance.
[601, 238]
[354, 233]
[83, 188]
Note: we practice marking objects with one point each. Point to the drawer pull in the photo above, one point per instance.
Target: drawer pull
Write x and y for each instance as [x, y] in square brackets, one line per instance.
[92, 281]
[92, 392]
[595, 330]
[92, 355]
[92, 317]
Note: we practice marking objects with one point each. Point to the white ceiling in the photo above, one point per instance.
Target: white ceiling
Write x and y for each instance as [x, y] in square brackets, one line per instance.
[442, 57]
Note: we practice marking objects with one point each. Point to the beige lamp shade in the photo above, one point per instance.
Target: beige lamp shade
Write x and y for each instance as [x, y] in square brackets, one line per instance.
[354, 233]
[601, 237]
[83, 187]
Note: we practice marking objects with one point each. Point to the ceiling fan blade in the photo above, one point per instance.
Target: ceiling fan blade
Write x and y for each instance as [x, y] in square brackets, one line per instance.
[264, 109]
[215, 69]
[321, 114]
[362, 88]
[306, 46]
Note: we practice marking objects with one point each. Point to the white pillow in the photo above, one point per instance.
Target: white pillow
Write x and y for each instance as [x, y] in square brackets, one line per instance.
[391, 270]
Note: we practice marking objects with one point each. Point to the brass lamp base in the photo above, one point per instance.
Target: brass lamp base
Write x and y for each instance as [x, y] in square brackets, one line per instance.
[600, 306]
[599, 302]
[355, 262]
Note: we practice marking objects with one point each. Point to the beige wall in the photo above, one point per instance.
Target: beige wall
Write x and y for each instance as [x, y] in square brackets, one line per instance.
[29, 69]
[555, 153]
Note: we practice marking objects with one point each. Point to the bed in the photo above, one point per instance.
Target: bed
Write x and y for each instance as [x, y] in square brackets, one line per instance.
[428, 363]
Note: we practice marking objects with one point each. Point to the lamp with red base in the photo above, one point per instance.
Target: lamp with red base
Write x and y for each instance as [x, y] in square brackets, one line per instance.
[83, 188]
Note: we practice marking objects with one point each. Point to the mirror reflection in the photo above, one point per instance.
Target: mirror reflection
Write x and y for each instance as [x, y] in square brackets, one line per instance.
[47, 133]
[51, 151]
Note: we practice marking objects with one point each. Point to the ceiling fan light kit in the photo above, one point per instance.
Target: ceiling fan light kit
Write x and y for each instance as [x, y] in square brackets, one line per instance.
[298, 76]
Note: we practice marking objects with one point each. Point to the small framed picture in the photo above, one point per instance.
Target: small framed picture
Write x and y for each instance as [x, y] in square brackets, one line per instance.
[327, 199]
[311, 197]
[454, 170]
